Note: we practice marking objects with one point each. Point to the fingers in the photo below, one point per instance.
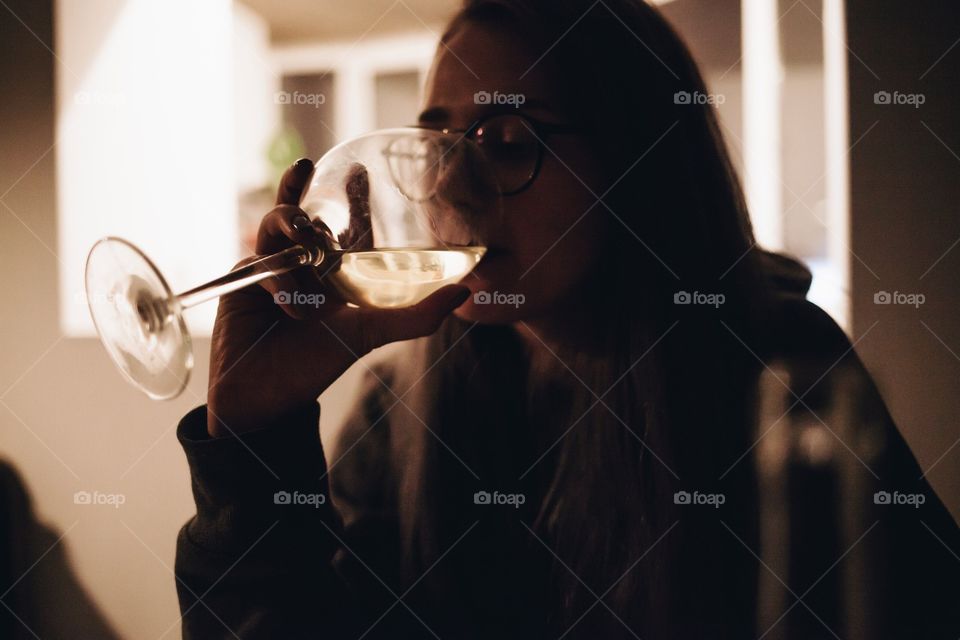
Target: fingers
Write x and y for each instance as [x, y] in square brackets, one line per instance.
[285, 226]
[253, 298]
[377, 327]
[294, 181]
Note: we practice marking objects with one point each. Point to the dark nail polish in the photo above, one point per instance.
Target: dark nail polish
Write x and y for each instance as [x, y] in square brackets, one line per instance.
[301, 223]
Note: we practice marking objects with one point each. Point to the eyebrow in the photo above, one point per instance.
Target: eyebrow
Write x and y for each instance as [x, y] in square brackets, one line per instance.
[441, 114]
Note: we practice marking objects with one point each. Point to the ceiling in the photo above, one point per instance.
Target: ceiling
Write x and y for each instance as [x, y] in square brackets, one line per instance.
[311, 20]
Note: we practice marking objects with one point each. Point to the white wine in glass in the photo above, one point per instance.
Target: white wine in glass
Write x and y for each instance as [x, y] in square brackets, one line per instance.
[401, 213]
[387, 278]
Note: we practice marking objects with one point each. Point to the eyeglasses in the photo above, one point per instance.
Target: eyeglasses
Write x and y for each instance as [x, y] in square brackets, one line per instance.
[512, 146]
[511, 143]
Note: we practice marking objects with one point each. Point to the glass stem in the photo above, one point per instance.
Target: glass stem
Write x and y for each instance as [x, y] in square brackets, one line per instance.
[253, 272]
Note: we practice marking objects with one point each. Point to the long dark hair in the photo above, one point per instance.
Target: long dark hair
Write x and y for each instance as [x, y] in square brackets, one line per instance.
[674, 380]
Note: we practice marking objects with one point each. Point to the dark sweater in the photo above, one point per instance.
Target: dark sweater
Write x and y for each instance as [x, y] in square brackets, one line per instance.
[254, 564]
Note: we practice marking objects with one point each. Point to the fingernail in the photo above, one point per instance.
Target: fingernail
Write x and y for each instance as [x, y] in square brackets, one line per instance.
[301, 223]
[462, 297]
[302, 165]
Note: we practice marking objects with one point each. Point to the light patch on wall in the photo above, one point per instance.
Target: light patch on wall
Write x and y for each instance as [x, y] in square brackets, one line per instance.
[762, 78]
[145, 141]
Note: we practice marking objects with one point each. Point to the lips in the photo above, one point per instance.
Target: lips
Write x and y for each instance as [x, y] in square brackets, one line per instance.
[492, 253]
[491, 264]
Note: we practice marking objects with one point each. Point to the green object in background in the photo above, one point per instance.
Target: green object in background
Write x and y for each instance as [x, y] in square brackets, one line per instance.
[286, 148]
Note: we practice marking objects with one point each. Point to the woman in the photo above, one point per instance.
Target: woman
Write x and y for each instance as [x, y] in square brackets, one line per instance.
[520, 472]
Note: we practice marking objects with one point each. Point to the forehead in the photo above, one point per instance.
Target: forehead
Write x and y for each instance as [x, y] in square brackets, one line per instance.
[481, 58]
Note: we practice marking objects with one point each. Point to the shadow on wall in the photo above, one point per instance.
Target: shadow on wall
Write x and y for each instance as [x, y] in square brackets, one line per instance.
[40, 594]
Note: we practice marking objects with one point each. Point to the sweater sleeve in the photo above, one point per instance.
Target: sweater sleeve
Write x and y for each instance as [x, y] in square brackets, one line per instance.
[255, 560]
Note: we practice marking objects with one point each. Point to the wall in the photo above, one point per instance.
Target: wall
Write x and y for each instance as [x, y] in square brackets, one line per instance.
[905, 219]
[68, 422]
[905, 213]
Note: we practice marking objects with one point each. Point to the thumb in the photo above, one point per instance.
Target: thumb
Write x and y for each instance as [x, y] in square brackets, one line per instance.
[382, 326]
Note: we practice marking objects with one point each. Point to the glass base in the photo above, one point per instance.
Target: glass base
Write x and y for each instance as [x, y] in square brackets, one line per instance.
[138, 318]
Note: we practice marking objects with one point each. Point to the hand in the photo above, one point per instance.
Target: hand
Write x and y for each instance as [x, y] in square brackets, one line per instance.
[268, 359]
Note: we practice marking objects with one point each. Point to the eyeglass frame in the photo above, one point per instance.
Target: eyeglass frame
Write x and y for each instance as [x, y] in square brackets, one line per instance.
[540, 130]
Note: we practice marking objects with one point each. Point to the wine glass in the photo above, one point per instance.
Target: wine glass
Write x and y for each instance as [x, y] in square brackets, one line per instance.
[402, 212]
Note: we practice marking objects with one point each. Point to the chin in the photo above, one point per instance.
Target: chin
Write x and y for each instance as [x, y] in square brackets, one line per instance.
[493, 293]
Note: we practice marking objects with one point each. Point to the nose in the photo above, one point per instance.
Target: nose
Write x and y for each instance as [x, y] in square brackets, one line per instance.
[467, 197]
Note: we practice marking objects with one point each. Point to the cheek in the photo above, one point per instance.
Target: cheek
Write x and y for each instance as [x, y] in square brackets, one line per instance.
[549, 212]
[558, 256]
[554, 239]
[559, 229]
